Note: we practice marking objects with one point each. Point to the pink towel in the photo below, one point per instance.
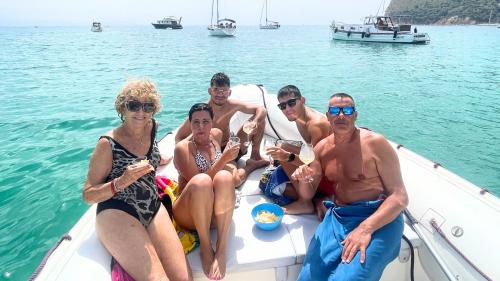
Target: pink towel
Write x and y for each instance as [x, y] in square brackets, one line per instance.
[118, 273]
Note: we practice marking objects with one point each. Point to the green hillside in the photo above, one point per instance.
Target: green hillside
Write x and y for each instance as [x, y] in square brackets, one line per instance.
[447, 11]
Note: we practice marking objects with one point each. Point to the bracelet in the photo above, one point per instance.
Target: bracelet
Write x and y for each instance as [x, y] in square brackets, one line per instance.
[113, 186]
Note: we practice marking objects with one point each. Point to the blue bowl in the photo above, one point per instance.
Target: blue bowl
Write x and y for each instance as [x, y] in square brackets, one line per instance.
[273, 208]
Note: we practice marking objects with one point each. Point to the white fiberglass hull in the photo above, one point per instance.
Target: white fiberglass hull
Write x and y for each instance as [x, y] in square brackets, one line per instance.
[269, 26]
[408, 38]
[468, 217]
[221, 31]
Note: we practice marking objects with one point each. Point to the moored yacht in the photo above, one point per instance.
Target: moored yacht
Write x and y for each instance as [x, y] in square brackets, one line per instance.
[96, 27]
[221, 27]
[168, 22]
[378, 29]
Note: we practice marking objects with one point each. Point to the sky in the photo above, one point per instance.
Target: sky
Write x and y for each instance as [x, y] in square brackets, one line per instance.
[193, 12]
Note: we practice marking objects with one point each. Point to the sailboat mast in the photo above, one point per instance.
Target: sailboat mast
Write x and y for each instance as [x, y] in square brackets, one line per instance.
[217, 11]
[212, 14]
[266, 12]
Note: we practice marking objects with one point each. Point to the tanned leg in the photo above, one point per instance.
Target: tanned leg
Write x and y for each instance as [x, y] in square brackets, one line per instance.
[303, 205]
[193, 210]
[292, 187]
[223, 210]
[256, 140]
[168, 247]
[128, 242]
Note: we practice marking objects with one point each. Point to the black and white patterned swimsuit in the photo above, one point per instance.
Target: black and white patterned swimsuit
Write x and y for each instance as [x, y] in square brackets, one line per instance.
[140, 199]
[201, 162]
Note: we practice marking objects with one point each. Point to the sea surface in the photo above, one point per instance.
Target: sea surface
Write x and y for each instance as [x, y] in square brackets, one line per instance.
[58, 86]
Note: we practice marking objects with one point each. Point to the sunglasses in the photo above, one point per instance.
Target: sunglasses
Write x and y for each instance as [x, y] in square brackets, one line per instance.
[221, 90]
[347, 110]
[135, 106]
[290, 103]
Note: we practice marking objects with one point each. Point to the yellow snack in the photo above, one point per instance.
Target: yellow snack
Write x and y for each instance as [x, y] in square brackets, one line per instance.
[145, 162]
[266, 217]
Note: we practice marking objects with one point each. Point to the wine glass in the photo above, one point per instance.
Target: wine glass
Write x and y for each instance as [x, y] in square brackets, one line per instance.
[307, 156]
[248, 128]
[266, 144]
[233, 140]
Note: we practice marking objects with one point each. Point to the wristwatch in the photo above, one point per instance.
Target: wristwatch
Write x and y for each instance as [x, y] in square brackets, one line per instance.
[291, 157]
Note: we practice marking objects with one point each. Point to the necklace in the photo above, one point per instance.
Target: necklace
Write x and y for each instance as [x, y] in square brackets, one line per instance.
[136, 142]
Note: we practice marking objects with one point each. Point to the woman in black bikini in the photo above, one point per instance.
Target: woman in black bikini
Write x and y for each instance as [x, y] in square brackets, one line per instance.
[131, 222]
[207, 194]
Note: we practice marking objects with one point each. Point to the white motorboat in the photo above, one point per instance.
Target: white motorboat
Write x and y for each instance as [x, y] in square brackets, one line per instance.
[453, 226]
[168, 22]
[378, 29]
[96, 27]
[269, 24]
[221, 27]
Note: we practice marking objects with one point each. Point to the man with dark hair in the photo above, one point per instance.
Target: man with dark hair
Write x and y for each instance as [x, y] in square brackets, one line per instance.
[223, 109]
[313, 127]
[362, 228]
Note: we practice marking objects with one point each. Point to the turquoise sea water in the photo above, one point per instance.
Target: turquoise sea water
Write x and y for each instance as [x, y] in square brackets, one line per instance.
[58, 87]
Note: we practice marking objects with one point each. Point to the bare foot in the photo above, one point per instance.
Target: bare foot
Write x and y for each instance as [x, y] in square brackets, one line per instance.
[207, 258]
[252, 164]
[218, 267]
[299, 207]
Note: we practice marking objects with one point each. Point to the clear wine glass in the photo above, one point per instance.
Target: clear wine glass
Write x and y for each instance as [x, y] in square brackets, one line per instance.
[307, 156]
[233, 140]
[266, 144]
[248, 128]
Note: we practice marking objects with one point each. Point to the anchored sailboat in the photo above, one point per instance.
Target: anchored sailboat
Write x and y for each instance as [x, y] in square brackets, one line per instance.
[269, 24]
[222, 27]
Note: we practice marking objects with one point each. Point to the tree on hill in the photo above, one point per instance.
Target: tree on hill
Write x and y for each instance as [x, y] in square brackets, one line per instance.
[447, 11]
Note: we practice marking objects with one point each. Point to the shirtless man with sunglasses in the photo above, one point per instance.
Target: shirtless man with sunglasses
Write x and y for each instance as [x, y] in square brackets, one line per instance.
[362, 228]
[313, 127]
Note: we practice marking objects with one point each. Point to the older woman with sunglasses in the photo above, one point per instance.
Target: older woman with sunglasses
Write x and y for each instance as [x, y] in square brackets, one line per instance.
[206, 186]
[131, 222]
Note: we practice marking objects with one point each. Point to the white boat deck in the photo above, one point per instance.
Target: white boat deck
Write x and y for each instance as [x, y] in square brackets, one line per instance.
[435, 194]
[253, 254]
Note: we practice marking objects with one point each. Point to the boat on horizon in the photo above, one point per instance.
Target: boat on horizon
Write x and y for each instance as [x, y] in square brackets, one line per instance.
[268, 24]
[96, 27]
[222, 27]
[378, 29]
[451, 225]
[168, 22]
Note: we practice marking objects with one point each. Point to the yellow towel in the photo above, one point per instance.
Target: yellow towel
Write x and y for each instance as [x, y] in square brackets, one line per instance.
[189, 239]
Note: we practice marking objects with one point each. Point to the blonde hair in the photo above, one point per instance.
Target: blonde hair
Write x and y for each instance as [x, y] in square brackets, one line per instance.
[137, 89]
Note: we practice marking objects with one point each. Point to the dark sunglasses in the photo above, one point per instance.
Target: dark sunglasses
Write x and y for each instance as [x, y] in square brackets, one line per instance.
[347, 110]
[135, 106]
[290, 103]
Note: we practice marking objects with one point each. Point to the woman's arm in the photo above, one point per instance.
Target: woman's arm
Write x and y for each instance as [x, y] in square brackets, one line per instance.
[228, 155]
[95, 189]
[184, 160]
